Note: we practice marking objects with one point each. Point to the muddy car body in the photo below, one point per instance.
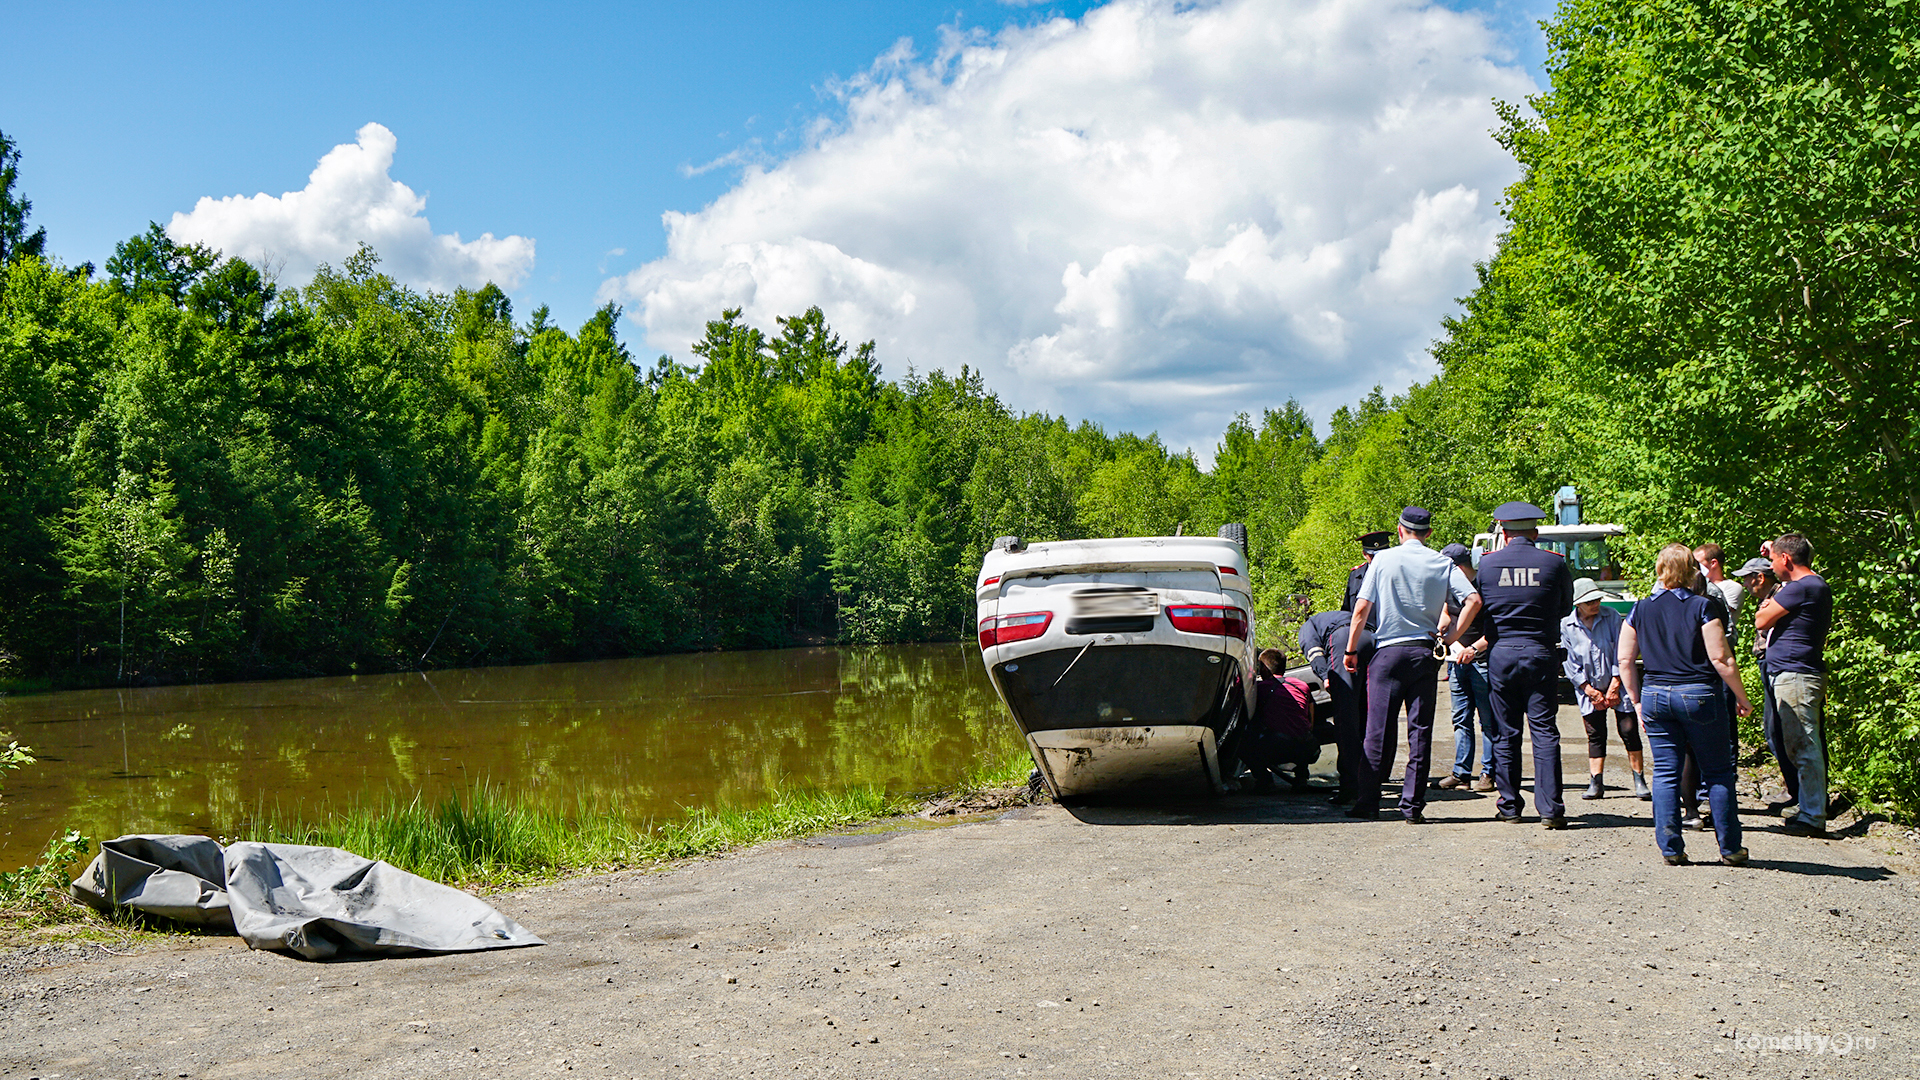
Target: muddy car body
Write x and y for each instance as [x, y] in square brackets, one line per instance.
[1126, 663]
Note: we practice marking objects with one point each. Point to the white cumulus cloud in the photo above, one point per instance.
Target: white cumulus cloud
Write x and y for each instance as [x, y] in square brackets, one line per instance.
[350, 198]
[1155, 216]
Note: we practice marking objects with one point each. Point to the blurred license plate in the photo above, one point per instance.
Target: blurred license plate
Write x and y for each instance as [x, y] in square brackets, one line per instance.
[1107, 605]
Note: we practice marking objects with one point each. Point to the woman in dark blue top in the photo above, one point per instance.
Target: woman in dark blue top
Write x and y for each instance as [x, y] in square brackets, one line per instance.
[1683, 639]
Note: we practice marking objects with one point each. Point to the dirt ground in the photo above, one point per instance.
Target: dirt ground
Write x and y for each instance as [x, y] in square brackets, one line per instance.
[1252, 936]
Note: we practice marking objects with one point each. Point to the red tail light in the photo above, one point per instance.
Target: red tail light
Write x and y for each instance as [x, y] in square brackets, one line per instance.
[1214, 621]
[1008, 628]
[1230, 570]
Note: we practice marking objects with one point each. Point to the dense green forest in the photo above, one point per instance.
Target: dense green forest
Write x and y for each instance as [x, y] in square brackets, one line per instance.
[1702, 314]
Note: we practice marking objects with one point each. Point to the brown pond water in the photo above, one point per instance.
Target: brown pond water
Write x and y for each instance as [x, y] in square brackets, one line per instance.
[655, 736]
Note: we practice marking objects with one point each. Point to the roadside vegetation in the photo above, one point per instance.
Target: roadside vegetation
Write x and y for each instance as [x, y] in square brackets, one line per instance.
[1703, 314]
[489, 838]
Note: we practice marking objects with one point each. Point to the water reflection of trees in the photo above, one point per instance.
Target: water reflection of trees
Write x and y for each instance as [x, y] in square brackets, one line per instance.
[649, 736]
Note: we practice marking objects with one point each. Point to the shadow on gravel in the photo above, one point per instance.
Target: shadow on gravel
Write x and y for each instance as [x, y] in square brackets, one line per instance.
[1600, 819]
[1857, 873]
[1306, 808]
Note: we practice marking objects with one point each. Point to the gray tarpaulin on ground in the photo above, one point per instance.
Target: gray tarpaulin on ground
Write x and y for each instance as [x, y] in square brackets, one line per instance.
[315, 901]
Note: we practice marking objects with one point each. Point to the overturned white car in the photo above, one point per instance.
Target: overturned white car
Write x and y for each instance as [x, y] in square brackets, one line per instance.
[1128, 663]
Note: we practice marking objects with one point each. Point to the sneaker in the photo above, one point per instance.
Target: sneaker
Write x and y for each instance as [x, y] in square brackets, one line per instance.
[1595, 789]
[1735, 858]
[1677, 860]
[1557, 821]
[1484, 782]
[1800, 826]
[1450, 782]
[1640, 789]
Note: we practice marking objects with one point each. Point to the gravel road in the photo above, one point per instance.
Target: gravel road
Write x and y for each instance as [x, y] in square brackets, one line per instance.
[1253, 936]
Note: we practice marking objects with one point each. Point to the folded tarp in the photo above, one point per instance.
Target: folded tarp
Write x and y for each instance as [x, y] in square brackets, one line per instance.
[317, 902]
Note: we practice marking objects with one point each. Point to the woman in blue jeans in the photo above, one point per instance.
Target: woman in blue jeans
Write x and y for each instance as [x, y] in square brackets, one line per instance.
[1682, 705]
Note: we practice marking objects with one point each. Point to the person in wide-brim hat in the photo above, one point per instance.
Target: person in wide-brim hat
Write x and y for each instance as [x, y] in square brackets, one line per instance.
[1591, 637]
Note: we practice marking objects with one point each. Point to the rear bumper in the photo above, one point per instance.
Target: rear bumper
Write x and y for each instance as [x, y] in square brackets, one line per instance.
[1084, 761]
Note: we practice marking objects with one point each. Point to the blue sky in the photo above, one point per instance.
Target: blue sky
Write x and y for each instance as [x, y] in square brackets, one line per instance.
[576, 126]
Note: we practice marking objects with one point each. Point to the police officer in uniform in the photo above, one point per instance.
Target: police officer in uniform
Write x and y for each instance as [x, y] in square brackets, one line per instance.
[1371, 544]
[1408, 587]
[1323, 638]
[1525, 592]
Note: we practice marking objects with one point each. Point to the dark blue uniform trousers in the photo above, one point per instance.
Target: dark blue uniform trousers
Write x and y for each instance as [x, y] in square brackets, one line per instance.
[1524, 676]
[1400, 676]
[1349, 723]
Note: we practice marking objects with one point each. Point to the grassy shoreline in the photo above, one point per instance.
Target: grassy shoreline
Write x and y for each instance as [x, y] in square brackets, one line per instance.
[487, 839]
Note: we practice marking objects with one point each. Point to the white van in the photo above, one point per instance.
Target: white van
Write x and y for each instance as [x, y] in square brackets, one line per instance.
[1127, 663]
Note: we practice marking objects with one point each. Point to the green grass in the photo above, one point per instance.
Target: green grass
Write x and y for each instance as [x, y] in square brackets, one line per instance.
[1009, 772]
[490, 838]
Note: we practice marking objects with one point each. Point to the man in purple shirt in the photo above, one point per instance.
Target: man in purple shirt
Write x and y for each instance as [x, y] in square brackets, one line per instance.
[1796, 619]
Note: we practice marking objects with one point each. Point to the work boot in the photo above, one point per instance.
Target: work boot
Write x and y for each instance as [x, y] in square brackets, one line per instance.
[1595, 788]
[1484, 782]
[1557, 821]
[1450, 781]
[1799, 826]
[1640, 789]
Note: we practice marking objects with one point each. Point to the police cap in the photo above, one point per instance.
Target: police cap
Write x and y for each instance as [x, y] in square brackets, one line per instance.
[1375, 541]
[1518, 515]
[1458, 553]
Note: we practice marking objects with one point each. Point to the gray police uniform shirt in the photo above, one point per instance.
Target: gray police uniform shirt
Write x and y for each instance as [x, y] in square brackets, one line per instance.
[1409, 586]
[1526, 592]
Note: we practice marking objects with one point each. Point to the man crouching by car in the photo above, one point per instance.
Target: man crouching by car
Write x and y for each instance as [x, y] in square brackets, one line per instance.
[1281, 736]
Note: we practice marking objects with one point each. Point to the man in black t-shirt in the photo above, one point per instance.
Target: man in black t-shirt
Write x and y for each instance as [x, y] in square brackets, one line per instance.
[1798, 616]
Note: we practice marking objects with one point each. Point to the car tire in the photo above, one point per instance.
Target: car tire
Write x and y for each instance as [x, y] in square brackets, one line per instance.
[1235, 532]
[1227, 753]
[1036, 788]
[1008, 543]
